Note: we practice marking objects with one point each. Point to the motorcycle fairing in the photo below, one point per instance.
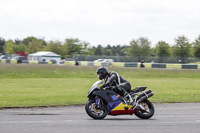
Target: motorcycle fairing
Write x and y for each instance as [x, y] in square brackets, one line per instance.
[108, 95]
[115, 104]
[114, 97]
[120, 109]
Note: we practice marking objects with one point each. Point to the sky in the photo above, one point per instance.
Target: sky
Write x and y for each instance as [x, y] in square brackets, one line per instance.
[100, 21]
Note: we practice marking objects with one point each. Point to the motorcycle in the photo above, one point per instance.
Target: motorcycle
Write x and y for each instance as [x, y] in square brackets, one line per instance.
[103, 102]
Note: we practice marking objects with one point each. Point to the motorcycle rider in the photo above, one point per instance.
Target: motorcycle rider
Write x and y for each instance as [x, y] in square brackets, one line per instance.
[114, 79]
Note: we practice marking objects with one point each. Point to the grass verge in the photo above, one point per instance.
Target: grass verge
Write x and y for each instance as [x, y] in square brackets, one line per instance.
[52, 85]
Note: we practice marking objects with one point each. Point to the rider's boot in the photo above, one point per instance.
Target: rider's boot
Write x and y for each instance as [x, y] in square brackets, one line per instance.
[128, 97]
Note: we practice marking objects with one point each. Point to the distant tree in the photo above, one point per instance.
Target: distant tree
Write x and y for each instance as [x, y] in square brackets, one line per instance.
[124, 50]
[27, 40]
[182, 47]
[2, 43]
[141, 46]
[20, 47]
[153, 51]
[86, 49]
[35, 45]
[117, 50]
[134, 48]
[18, 41]
[74, 46]
[108, 47]
[10, 47]
[108, 50]
[91, 50]
[196, 47]
[162, 49]
[99, 50]
[56, 47]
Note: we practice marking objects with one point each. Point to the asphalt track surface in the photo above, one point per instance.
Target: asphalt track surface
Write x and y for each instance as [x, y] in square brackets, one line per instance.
[168, 118]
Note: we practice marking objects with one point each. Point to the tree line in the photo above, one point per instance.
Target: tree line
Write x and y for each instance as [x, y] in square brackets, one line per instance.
[137, 47]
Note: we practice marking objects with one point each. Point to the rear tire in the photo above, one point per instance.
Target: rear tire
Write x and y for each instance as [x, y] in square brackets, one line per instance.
[90, 108]
[149, 110]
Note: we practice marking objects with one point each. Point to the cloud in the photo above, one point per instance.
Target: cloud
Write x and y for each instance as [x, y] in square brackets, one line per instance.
[101, 21]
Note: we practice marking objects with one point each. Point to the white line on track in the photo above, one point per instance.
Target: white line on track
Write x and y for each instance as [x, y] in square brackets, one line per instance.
[30, 122]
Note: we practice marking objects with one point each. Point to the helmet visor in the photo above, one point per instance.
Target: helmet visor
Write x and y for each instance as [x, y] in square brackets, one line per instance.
[99, 75]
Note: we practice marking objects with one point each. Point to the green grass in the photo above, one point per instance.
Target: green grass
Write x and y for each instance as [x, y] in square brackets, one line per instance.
[57, 71]
[42, 92]
[52, 85]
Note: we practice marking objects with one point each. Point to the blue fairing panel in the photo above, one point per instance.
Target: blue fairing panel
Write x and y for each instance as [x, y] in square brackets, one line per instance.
[113, 105]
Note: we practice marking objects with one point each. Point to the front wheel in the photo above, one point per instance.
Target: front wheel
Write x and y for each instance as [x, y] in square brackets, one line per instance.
[145, 110]
[92, 111]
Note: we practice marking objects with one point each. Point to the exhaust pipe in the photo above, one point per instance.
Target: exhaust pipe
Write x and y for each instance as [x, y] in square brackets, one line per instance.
[145, 97]
[144, 94]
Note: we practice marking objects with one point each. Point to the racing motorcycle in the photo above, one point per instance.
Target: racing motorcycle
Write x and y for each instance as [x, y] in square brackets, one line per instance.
[103, 102]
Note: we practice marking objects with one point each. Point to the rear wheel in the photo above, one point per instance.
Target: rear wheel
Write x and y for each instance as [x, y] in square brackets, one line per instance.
[145, 110]
[92, 111]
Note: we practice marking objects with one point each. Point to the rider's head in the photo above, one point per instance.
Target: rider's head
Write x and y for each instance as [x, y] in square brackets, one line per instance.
[102, 72]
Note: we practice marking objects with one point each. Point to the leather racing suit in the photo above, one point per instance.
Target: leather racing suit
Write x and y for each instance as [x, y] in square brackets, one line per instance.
[122, 86]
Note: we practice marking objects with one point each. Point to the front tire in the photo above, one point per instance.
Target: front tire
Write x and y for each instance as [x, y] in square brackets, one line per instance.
[147, 112]
[90, 108]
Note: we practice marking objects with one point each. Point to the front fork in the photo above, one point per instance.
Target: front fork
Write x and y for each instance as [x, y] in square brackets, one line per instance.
[97, 102]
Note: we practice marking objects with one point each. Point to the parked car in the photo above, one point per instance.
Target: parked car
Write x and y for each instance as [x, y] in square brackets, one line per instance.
[109, 61]
[104, 60]
[53, 61]
[3, 57]
[62, 61]
[18, 58]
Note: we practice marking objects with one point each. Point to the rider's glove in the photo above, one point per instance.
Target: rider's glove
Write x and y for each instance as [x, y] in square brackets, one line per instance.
[103, 86]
